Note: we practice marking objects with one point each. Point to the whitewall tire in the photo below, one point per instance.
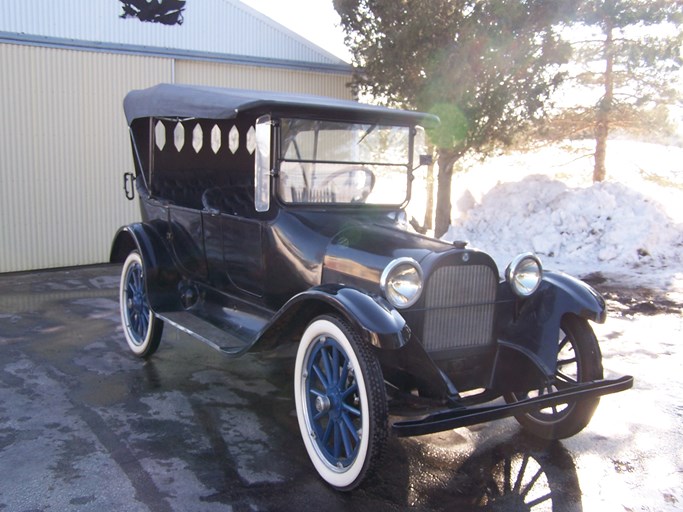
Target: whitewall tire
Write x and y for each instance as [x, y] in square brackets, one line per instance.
[141, 327]
[340, 402]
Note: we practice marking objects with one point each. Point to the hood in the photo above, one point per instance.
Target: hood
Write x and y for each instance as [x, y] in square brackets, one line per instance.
[360, 252]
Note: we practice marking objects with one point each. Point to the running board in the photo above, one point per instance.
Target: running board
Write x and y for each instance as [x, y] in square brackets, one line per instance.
[217, 338]
[462, 417]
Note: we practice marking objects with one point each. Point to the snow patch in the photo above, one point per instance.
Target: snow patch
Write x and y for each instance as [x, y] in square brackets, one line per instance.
[620, 228]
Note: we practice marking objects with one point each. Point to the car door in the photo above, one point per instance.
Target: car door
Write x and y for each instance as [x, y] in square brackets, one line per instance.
[186, 235]
[233, 240]
[243, 253]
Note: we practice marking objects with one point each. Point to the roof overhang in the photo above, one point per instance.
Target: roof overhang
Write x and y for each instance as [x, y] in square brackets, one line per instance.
[190, 101]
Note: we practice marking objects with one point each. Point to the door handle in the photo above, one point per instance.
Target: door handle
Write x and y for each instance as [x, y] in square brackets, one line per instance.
[129, 185]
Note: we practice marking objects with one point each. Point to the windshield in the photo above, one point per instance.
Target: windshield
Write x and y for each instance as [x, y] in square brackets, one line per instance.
[343, 163]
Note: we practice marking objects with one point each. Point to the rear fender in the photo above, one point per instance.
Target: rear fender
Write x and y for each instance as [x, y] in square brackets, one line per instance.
[161, 275]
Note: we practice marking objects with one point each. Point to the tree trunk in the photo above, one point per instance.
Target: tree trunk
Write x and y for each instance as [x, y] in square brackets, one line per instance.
[429, 207]
[605, 106]
[447, 159]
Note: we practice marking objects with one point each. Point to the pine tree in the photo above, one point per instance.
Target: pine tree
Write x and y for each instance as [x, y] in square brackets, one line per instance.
[632, 55]
[485, 67]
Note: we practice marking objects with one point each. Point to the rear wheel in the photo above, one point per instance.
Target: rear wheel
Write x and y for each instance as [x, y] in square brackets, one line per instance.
[340, 402]
[140, 326]
[578, 360]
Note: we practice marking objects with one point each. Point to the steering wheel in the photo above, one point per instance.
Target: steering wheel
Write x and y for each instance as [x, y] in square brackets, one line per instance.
[350, 172]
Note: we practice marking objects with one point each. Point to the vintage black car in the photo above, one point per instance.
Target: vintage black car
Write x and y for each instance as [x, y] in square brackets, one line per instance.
[271, 219]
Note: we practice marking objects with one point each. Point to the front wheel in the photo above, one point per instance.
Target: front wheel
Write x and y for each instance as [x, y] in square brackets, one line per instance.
[140, 325]
[578, 360]
[340, 402]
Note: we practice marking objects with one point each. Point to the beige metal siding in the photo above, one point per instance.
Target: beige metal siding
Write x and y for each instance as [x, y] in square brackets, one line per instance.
[64, 143]
[63, 148]
[262, 78]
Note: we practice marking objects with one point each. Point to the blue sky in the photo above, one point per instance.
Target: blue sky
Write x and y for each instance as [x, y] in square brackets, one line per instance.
[316, 20]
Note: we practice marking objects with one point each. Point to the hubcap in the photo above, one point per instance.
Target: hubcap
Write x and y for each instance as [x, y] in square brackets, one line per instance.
[322, 404]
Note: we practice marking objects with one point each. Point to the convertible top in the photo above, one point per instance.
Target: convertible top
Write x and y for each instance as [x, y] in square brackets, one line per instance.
[170, 100]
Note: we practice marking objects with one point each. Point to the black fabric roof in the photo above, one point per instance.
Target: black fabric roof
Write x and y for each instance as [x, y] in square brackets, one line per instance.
[170, 100]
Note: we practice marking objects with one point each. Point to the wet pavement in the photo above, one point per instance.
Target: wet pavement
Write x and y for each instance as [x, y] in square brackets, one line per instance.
[85, 425]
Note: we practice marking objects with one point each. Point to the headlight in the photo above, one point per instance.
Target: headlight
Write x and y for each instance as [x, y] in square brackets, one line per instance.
[401, 282]
[524, 274]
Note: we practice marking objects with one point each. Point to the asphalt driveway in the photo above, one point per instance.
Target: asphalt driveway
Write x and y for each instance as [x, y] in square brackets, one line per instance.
[84, 425]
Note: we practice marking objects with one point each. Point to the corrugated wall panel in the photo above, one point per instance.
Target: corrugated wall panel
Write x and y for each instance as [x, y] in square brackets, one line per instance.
[64, 143]
[217, 26]
[262, 78]
[63, 148]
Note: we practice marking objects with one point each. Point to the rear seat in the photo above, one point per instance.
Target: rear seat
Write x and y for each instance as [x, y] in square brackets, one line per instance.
[232, 199]
[182, 190]
[199, 189]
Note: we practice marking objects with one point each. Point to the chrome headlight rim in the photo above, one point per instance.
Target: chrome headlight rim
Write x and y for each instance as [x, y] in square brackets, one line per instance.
[385, 282]
[518, 270]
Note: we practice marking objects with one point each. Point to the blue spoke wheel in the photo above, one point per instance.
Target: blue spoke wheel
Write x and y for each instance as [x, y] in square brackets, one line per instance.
[141, 327]
[340, 402]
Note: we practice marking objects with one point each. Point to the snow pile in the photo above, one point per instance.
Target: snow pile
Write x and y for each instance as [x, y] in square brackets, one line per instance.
[609, 227]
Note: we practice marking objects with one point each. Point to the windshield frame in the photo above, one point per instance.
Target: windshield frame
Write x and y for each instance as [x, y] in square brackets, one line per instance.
[280, 159]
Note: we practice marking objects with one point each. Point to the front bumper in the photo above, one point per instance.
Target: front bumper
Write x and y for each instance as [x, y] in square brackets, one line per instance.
[464, 416]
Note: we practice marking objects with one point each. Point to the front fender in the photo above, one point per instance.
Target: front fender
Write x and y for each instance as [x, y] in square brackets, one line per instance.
[372, 315]
[575, 296]
[532, 328]
[161, 275]
[403, 359]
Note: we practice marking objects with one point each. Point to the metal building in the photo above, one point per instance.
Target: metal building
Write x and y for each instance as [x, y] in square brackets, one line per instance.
[65, 66]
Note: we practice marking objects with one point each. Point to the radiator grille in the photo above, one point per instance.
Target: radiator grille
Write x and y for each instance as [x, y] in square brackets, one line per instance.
[460, 307]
